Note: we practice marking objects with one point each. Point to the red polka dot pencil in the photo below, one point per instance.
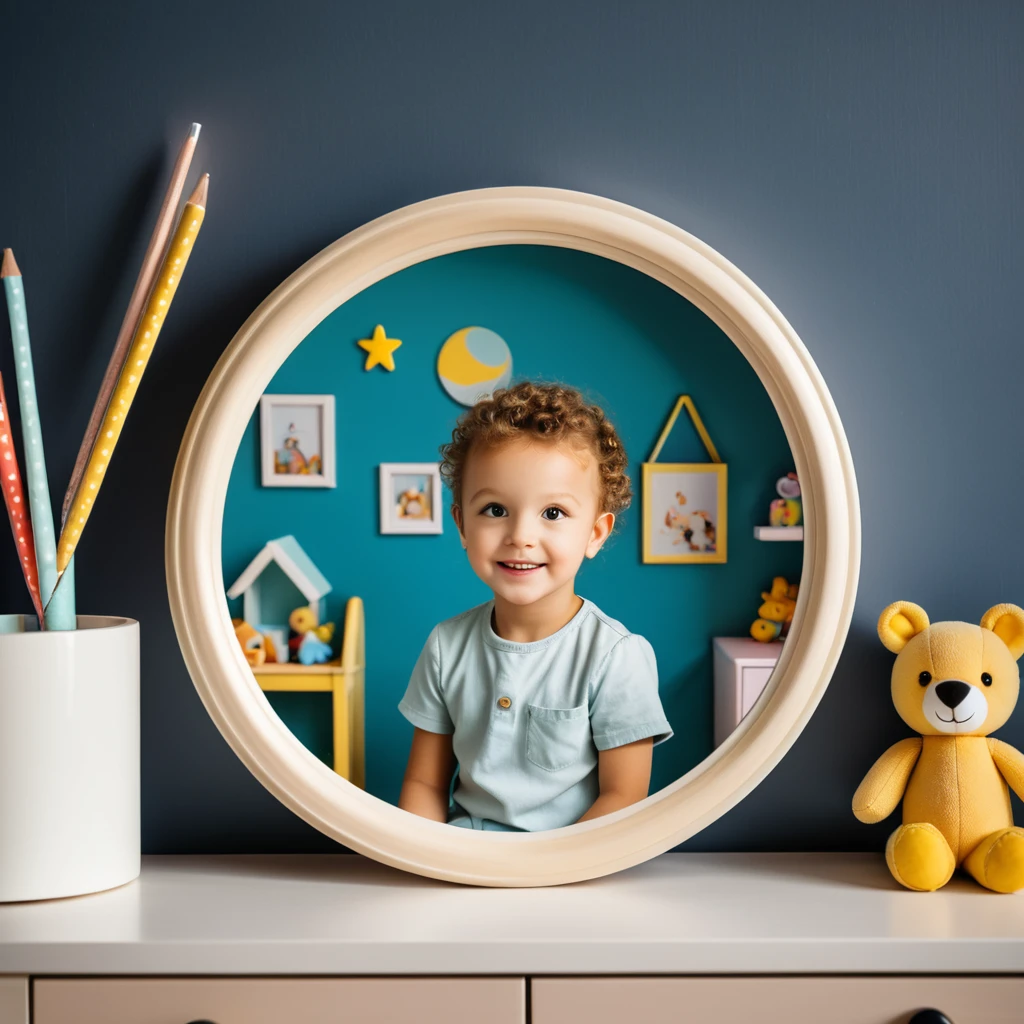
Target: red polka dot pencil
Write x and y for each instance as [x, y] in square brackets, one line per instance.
[17, 510]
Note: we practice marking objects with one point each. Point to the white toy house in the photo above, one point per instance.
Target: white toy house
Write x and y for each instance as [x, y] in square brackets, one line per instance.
[281, 578]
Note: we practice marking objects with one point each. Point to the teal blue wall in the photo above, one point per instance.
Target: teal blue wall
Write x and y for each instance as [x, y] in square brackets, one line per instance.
[633, 346]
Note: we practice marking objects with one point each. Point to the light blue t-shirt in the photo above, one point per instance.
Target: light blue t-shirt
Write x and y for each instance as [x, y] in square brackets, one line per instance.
[528, 719]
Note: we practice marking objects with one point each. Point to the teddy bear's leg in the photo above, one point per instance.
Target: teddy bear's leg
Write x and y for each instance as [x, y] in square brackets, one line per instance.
[919, 857]
[997, 862]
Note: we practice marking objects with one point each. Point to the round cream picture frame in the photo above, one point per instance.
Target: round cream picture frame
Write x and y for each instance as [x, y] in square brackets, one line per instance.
[435, 227]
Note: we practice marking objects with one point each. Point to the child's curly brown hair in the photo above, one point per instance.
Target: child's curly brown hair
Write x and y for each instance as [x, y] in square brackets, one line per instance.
[552, 412]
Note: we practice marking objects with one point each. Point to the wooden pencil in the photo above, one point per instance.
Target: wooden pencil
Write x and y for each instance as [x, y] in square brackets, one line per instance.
[83, 500]
[17, 511]
[151, 262]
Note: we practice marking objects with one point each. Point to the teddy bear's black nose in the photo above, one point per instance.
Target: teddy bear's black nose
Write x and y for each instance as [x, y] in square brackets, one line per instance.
[952, 692]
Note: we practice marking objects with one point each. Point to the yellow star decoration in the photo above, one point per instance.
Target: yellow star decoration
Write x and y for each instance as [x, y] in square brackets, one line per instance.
[380, 347]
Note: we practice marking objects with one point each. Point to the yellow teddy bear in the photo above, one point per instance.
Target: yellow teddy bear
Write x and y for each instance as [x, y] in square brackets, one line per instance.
[954, 683]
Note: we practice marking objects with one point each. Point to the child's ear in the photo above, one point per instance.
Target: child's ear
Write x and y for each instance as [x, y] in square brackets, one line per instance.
[602, 527]
[457, 516]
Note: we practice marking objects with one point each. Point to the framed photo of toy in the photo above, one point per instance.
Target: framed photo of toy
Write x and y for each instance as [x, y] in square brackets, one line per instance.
[410, 497]
[684, 503]
[297, 441]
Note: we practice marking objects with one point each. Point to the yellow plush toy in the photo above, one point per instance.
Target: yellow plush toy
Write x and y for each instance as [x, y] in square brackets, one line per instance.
[775, 615]
[953, 683]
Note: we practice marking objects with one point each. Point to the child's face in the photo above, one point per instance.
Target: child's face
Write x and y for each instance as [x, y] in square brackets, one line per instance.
[533, 503]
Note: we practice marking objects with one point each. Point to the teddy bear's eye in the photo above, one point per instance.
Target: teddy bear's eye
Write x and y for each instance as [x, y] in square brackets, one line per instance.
[924, 678]
[986, 678]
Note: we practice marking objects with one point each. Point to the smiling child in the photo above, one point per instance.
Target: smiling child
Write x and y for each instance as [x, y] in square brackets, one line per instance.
[549, 706]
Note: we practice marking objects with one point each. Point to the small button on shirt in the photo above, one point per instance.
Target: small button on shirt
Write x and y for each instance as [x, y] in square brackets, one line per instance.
[527, 720]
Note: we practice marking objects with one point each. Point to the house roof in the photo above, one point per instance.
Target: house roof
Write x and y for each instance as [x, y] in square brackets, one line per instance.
[295, 564]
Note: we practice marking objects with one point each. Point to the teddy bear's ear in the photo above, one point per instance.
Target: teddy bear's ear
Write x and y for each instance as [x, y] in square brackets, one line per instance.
[1007, 622]
[900, 623]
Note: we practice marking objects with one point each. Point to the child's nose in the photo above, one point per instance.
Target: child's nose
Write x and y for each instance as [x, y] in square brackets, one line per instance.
[519, 533]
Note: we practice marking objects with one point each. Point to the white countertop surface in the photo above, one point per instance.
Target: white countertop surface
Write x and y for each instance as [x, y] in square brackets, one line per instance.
[677, 914]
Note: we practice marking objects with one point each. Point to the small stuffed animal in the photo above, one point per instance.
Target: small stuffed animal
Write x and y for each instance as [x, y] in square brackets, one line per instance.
[300, 622]
[312, 650]
[787, 509]
[776, 613]
[309, 643]
[252, 642]
[954, 683]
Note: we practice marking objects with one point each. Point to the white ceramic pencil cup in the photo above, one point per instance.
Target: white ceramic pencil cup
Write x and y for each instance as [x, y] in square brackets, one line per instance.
[69, 757]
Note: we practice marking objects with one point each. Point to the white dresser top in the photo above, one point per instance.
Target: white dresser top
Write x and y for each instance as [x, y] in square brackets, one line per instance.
[677, 914]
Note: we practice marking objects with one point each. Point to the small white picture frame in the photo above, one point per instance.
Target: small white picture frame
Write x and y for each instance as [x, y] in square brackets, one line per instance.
[297, 441]
[410, 497]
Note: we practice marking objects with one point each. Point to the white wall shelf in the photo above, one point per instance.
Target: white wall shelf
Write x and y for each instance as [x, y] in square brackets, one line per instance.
[778, 532]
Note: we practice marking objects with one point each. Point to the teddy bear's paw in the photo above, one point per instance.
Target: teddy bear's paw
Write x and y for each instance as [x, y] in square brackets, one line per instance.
[997, 862]
[919, 857]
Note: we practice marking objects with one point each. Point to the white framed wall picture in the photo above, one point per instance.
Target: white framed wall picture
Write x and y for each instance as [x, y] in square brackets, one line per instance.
[297, 441]
[410, 497]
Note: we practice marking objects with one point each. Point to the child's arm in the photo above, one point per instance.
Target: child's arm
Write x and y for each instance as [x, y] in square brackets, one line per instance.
[624, 775]
[428, 775]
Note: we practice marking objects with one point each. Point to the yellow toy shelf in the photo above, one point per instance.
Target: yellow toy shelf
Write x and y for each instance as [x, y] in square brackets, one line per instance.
[345, 679]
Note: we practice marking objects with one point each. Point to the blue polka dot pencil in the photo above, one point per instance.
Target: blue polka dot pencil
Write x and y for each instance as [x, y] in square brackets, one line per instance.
[58, 615]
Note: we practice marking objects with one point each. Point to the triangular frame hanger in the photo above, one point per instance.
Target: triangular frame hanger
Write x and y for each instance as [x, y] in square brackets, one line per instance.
[685, 402]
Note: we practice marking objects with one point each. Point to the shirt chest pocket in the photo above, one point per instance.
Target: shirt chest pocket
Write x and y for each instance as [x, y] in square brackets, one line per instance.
[555, 737]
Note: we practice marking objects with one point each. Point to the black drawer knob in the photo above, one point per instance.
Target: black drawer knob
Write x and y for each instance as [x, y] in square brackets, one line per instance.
[930, 1017]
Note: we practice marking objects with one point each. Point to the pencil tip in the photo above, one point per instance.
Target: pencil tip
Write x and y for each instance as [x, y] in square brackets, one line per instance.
[10, 265]
[193, 132]
[198, 197]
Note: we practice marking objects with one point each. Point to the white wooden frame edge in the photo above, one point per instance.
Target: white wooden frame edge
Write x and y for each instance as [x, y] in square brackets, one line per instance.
[519, 215]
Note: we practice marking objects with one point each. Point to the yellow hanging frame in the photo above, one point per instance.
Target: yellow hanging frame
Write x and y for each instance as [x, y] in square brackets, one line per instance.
[699, 534]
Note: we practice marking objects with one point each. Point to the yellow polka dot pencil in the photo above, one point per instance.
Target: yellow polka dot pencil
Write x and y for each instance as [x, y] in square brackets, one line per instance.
[151, 263]
[81, 505]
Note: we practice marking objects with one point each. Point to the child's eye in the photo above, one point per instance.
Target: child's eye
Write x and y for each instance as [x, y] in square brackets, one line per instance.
[498, 513]
[559, 514]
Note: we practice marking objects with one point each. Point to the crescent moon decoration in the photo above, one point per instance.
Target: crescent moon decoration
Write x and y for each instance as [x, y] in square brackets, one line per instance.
[473, 363]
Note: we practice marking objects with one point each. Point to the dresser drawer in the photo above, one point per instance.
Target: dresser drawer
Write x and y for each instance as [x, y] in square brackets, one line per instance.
[279, 1000]
[783, 1000]
[13, 1000]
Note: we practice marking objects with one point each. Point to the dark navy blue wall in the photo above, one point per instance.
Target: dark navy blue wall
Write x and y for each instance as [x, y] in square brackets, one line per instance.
[859, 162]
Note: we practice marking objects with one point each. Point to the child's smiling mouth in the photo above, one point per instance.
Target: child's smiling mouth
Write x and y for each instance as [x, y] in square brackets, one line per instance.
[521, 568]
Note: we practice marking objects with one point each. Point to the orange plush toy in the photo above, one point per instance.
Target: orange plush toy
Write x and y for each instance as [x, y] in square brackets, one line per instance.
[953, 683]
